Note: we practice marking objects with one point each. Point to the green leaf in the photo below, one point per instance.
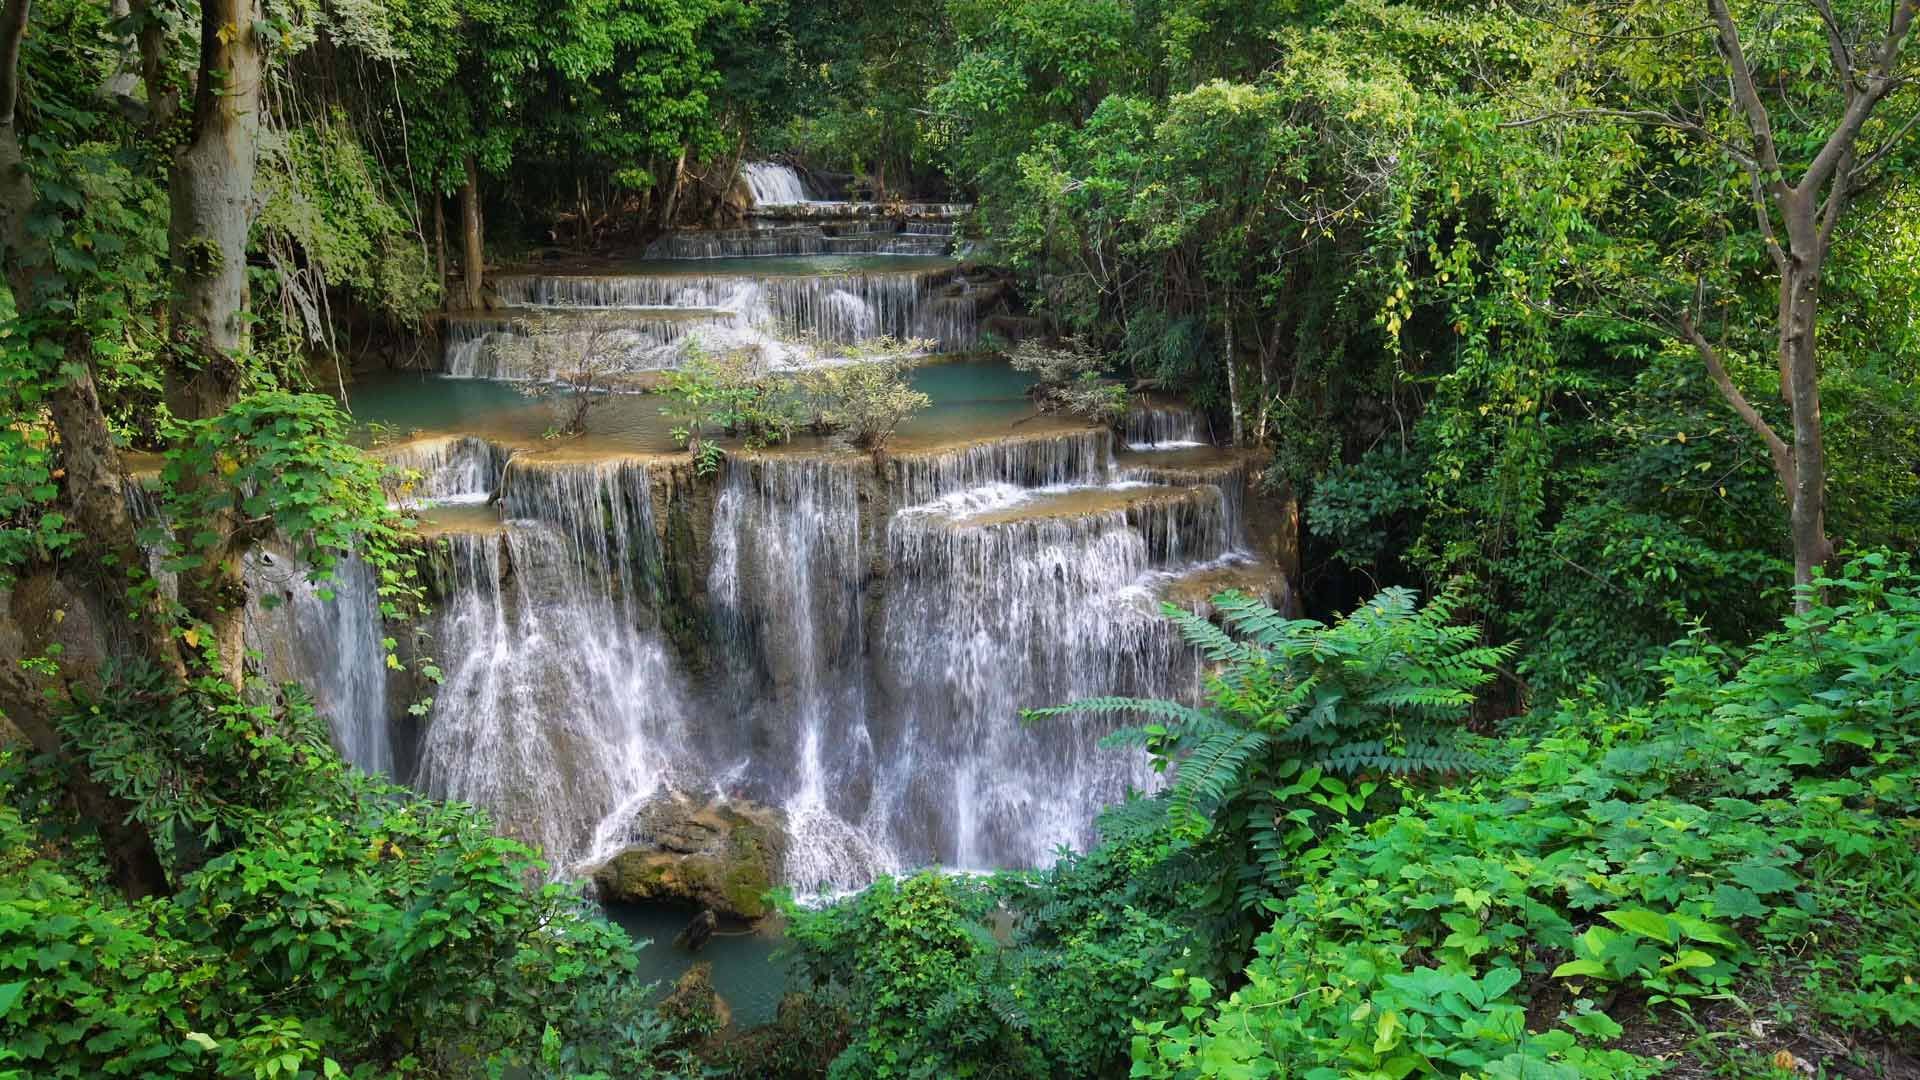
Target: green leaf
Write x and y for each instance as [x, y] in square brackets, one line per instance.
[1648, 924]
[1763, 878]
[1582, 966]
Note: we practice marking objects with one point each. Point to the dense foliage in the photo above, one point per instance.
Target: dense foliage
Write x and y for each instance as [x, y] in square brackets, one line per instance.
[1737, 854]
[325, 924]
[1517, 303]
[1442, 261]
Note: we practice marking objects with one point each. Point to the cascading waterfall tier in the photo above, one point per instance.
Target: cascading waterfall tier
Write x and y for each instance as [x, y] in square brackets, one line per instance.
[498, 345]
[1156, 425]
[1049, 460]
[562, 706]
[988, 612]
[441, 469]
[797, 240]
[787, 587]
[770, 183]
[872, 628]
[643, 321]
[327, 636]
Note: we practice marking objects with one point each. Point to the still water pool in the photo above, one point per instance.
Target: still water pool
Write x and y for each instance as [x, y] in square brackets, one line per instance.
[972, 399]
[745, 970]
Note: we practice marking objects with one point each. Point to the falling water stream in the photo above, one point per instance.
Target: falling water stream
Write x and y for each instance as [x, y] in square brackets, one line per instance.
[846, 637]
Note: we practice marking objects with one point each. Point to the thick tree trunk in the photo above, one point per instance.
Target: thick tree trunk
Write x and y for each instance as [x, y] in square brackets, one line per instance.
[473, 258]
[210, 192]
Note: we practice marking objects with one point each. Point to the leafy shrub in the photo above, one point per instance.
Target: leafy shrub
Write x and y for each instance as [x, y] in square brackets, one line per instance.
[324, 924]
[1659, 855]
[867, 399]
[727, 394]
[1069, 377]
[913, 964]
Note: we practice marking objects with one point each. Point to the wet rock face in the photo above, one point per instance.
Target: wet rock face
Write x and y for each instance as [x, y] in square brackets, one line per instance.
[720, 855]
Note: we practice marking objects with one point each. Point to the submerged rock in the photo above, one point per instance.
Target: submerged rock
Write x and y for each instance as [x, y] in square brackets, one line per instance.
[721, 855]
[698, 932]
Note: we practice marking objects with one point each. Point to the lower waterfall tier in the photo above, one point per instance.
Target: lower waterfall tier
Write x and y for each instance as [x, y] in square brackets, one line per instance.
[845, 639]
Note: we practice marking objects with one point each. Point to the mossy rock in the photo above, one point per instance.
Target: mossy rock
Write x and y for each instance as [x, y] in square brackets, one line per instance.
[723, 856]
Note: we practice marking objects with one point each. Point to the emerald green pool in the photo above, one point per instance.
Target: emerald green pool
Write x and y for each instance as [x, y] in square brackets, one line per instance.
[746, 972]
[972, 398]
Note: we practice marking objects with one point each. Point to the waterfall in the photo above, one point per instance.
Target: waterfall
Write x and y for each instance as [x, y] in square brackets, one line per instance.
[327, 637]
[773, 184]
[799, 240]
[871, 629]
[492, 346]
[786, 588]
[441, 469]
[646, 319]
[983, 619]
[1079, 457]
[1152, 425]
[561, 708]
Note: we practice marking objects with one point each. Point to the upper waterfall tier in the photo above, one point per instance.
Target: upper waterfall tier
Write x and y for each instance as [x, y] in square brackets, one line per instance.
[647, 315]
[769, 182]
[864, 238]
[780, 192]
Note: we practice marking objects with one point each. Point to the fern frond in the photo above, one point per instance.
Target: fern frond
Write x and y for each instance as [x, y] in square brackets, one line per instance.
[1212, 642]
[1151, 708]
[1213, 766]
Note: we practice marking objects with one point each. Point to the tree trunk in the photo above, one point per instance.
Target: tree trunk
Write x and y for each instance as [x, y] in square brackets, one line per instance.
[1807, 497]
[210, 192]
[1237, 428]
[673, 191]
[473, 258]
[440, 247]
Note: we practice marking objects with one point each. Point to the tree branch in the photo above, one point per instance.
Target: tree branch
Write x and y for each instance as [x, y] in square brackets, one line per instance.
[1839, 53]
[1782, 454]
[1874, 156]
[1839, 145]
[1747, 96]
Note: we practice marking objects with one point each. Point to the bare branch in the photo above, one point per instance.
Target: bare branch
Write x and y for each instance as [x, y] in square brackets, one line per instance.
[1777, 447]
[1747, 96]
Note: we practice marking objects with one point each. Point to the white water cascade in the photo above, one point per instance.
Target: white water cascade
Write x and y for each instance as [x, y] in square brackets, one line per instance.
[561, 704]
[774, 185]
[646, 320]
[326, 636]
[855, 651]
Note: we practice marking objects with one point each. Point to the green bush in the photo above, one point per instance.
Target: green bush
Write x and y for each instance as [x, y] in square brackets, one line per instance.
[1660, 856]
[324, 923]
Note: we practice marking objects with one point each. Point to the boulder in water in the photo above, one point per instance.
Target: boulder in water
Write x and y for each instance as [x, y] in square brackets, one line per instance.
[697, 932]
[694, 1007]
[721, 855]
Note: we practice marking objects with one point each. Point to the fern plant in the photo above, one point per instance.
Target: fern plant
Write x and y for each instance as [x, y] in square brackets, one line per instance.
[1301, 721]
